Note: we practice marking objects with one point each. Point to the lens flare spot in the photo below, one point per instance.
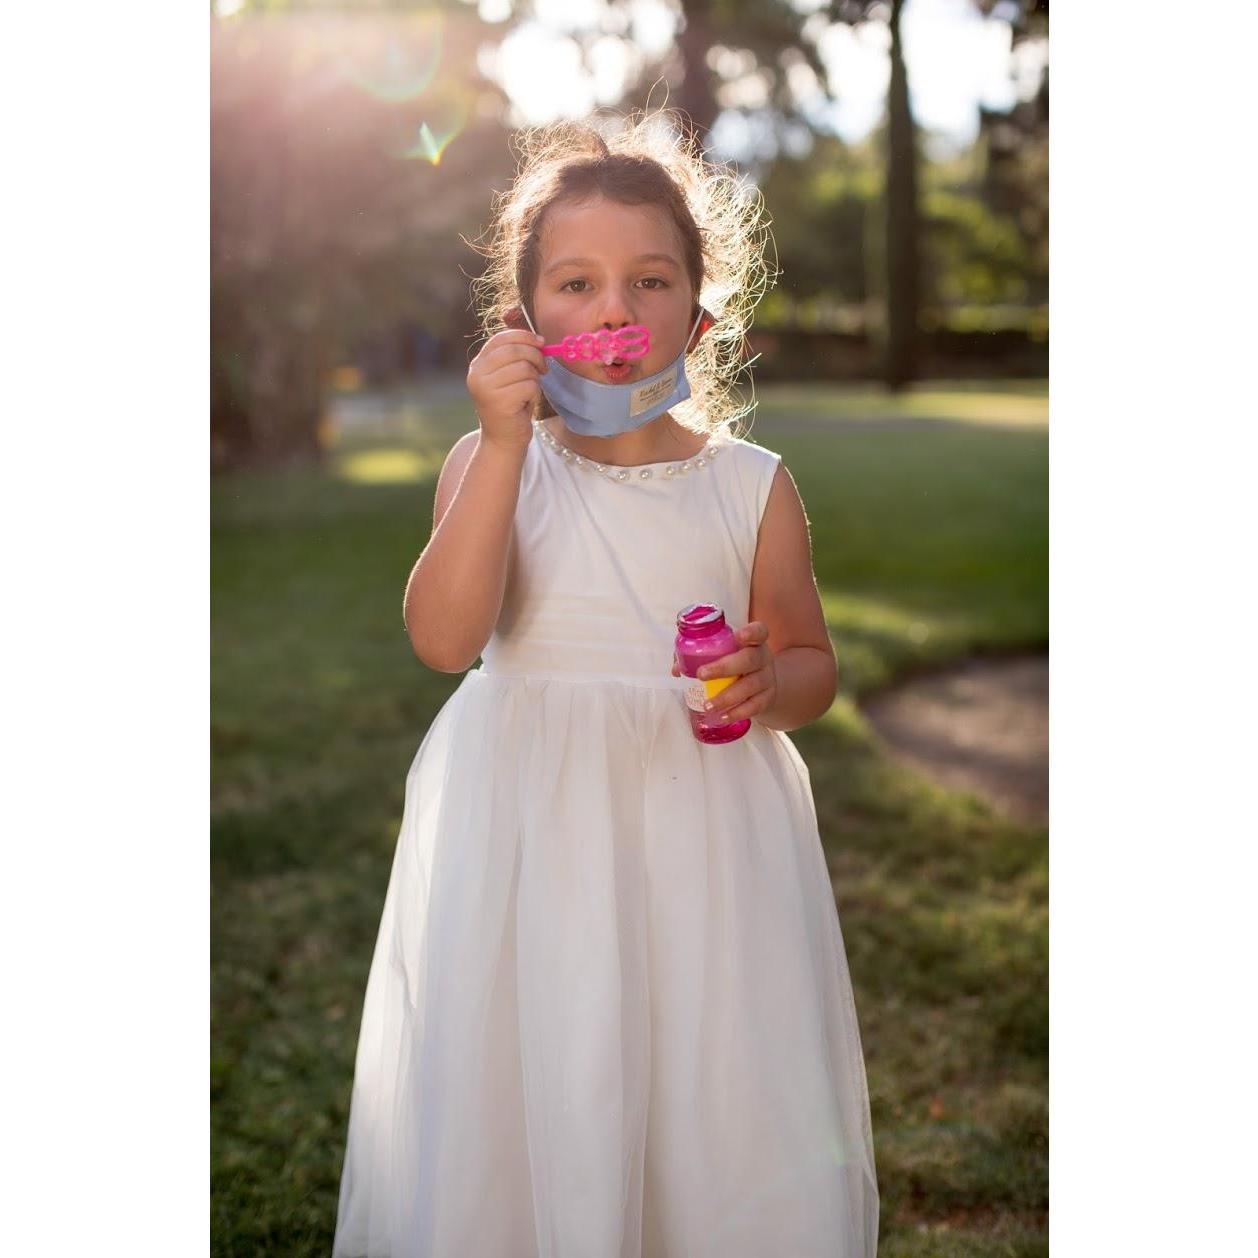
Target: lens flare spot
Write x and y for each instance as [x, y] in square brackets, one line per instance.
[405, 66]
[437, 131]
[427, 147]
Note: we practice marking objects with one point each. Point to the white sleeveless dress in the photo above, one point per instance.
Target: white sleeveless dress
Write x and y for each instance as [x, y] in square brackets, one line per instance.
[609, 1014]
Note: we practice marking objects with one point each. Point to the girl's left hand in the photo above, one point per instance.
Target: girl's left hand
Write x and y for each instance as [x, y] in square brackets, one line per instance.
[757, 684]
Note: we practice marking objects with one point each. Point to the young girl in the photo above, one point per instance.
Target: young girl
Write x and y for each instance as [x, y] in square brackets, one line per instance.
[609, 1013]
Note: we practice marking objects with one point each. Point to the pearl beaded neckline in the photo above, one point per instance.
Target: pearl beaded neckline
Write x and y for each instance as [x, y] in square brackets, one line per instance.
[644, 471]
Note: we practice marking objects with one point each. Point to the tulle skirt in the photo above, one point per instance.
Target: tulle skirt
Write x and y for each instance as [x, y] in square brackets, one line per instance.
[608, 1014]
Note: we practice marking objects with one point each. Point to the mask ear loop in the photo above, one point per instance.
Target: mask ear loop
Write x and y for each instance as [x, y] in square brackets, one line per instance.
[547, 409]
[525, 313]
[704, 322]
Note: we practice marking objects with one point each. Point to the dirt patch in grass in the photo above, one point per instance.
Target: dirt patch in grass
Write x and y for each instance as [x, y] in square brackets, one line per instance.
[980, 726]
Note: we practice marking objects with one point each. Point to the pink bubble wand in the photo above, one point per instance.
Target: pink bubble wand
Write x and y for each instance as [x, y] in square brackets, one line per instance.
[628, 343]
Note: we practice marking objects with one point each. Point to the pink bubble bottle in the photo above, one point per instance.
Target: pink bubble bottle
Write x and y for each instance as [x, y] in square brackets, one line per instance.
[702, 636]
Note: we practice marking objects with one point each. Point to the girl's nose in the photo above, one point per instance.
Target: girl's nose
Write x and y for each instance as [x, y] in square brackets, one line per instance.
[617, 313]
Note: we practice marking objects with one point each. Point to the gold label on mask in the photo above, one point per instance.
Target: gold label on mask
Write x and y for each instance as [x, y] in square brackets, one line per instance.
[647, 395]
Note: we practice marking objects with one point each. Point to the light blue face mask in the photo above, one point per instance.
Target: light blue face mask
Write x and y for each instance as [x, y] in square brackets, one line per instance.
[591, 409]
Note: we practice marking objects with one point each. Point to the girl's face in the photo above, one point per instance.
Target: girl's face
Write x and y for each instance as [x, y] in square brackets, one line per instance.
[607, 265]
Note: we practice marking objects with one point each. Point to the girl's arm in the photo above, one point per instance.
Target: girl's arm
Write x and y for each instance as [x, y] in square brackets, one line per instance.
[807, 681]
[784, 597]
[455, 591]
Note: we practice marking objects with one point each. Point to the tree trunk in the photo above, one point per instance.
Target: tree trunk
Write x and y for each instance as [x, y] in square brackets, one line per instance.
[267, 398]
[695, 96]
[901, 345]
[287, 400]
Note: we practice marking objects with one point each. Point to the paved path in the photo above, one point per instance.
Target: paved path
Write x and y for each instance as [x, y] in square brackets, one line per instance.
[980, 726]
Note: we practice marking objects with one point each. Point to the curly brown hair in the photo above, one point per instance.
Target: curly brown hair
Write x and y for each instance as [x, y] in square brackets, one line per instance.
[642, 159]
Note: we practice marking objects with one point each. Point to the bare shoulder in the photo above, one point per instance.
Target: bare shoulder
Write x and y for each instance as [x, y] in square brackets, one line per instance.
[457, 459]
[783, 585]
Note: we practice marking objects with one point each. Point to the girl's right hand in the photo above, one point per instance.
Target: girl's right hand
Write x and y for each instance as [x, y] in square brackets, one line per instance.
[504, 381]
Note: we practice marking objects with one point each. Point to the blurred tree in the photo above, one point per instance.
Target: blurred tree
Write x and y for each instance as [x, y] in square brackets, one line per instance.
[899, 257]
[900, 248]
[822, 205]
[347, 155]
[725, 52]
[903, 227]
[695, 94]
[1014, 143]
[743, 53]
[828, 216]
[971, 256]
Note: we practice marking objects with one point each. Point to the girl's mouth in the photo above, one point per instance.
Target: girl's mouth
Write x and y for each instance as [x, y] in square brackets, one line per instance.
[617, 371]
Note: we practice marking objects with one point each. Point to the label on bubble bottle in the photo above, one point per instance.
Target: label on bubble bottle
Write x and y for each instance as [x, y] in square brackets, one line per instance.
[699, 689]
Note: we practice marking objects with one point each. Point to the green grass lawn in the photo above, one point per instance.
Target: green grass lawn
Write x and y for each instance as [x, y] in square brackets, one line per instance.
[930, 536]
